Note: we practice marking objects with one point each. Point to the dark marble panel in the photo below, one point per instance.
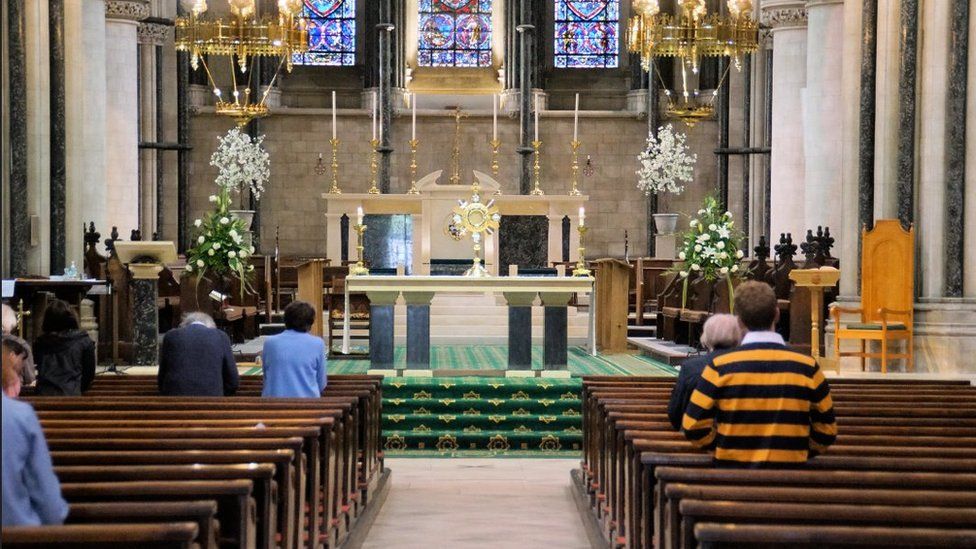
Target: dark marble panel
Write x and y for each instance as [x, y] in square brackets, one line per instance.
[768, 175]
[145, 321]
[57, 123]
[520, 338]
[723, 137]
[555, 331]
[523, 241]
[907, 91]
[388, 241]
[566, 227]
[418, 336]
[17, 75]
[956, 121]
[381, 336]
[449, 267]
[344, 237]
[182, 136]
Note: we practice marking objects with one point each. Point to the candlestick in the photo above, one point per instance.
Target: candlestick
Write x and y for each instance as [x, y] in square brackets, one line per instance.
[576, 119]
[335, 166]
[413, 167]
[574, 169]
[373, 166]
[333, 114]
[494, 117]
[581, 269]
[359, 268]
[494, 163]
[536, 168]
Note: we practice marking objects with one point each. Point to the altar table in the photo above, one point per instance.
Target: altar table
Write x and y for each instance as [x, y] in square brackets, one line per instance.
[519, 292]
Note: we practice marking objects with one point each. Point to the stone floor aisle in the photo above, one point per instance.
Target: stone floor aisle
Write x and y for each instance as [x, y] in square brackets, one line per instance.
[497, 503]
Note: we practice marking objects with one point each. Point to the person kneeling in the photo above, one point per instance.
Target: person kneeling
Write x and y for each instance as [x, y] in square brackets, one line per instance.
[294, 360]
[196, 360]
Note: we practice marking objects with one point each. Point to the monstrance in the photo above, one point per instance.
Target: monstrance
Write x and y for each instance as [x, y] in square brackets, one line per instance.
[473, 216]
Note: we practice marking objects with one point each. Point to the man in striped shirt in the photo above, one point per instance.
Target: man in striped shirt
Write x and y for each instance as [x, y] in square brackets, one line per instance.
[761, 405]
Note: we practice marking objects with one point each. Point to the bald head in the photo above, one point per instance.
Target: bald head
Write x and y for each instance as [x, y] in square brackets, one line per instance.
[721, 332]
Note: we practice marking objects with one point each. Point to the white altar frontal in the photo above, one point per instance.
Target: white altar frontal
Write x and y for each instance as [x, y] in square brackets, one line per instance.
[431, 210]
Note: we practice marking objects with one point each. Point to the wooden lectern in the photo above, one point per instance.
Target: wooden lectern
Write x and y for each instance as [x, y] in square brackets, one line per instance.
[817, 280]
[310, 281]
[612, 293]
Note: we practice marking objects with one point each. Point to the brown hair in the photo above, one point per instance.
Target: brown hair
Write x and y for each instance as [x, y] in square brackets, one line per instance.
[755, 305]
[12, 370]
[58, 317]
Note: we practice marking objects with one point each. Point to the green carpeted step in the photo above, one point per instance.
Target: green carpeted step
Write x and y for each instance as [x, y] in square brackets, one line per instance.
[499, 441]
[483, 388]
[485, 422]
[459, 406]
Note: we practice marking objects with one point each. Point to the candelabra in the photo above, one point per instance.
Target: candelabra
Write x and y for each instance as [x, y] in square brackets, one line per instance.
[413, 167]
[575, 168]
[373, 166]
[494, 162]
[359, 268]
[536, 168]
[335, 166]
[581, 269]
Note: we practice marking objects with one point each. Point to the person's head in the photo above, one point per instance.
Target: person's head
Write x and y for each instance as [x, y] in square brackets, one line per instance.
[299, 316]
[721, 332]
[14, 352]
[58, 317]
[756, 307]
[198, 317]
[9, 319]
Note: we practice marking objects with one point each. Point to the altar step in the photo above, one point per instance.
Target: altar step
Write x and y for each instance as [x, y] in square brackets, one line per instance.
[668, 352]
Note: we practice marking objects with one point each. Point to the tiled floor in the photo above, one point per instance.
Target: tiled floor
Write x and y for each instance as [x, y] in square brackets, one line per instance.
[468, 503]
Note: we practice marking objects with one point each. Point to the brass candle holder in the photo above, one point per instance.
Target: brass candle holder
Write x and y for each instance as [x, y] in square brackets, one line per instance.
[575, 169]
[359, 268]
[335, 166]
[495, 143]
[536, 168]
[581, 269]
[413, 167]
[373, 166]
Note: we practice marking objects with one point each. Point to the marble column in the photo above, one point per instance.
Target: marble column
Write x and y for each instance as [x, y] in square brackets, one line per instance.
[122, 110]
[869, 69]
[418, 329]
[144, 288]
[381, 344]
[788, 21]
[722, 113]
[955, 170]
[907, 90]
[969, 205]
[554, 330]
[519, 330]
[19, 227]
[84, 83]
[653, 122]
[183, 138]
[56, 215]
[385, 30]
[526, 32]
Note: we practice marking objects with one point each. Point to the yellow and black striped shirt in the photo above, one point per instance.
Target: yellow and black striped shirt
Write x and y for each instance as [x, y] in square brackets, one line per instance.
[761, 405]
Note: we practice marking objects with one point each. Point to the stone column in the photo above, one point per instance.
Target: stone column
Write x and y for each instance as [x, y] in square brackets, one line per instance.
[956, 127]
[823, 116]
[519, 330]
[149, 36]
[969, 206]
[788, 20]
[38, 136]
[907, 90]
[57, 124]
[122, 111]
[418, 329]
[19, 227]
[853, 84]
[887, 110]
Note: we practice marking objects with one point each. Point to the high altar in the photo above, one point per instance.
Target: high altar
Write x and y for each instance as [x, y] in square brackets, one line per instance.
[431, 209]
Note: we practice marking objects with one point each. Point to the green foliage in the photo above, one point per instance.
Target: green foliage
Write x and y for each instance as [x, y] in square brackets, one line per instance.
[710, 246]
[219, 247]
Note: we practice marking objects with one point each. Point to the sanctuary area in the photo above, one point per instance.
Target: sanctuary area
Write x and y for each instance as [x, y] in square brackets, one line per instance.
[488, 273]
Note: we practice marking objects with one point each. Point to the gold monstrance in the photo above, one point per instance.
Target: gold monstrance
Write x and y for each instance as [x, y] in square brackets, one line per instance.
[479, 219]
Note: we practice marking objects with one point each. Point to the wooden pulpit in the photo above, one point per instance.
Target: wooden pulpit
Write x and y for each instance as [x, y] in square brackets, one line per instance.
[310, 279]
[612, 293]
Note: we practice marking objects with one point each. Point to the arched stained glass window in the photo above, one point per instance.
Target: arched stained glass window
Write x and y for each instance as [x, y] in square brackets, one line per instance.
[587, 33]
[331, 33]
[454, 33]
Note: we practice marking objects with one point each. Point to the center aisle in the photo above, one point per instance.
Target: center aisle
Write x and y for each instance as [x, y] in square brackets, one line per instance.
[476, 503]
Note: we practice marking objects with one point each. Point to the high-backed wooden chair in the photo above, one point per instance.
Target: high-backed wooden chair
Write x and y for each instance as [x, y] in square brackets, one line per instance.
[887, 294]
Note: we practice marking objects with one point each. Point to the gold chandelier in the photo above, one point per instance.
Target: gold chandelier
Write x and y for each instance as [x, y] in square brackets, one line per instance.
[245, 37]
[689, 36]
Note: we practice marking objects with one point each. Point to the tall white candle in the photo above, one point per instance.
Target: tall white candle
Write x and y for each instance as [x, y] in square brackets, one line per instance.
[373, 114]
[379, 109]
[359, 215]
[576, 119]
[413, 118]
[582, 216]
[494, 117]
[333, 115]
[536, 117]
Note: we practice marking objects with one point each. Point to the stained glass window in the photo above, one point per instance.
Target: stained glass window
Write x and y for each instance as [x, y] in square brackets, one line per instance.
[454, 33]
[331, 33]
[587, 33]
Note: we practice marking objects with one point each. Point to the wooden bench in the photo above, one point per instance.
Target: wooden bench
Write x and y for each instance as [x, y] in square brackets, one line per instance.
[174, 535]
[718, 535]
[203, 513]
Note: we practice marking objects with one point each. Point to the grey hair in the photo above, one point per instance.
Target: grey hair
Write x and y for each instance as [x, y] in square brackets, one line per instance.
[721, 332]
[202, 318]
[9, 319]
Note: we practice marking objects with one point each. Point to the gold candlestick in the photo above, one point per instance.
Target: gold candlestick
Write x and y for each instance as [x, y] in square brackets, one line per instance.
[359, 268]
[575, 169]
[494, 162]
[413, 167]
[537, 191]
[581, 269]
[335, 166]
[373, 167]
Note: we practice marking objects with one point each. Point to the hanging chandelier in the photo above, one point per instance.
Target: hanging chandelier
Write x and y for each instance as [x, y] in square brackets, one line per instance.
[689, 36]
[241, 39]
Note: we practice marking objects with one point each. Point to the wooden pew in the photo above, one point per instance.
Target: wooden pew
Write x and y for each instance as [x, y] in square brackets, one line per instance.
[172, 535]
[713, 535]
[202, 512]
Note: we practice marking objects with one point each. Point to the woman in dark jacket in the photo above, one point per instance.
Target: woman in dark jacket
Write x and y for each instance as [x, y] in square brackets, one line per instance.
[64, 354]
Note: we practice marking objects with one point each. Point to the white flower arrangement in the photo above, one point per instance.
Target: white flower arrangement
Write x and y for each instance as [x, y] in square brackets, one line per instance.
[666, 163]
[242, 163]
[710, 248]
[219, 248]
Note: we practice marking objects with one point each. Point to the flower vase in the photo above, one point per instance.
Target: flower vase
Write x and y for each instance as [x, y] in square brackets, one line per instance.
[247, 216]
[665, 223]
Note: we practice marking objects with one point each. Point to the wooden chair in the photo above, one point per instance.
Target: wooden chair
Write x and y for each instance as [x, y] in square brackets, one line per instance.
[887, 295]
